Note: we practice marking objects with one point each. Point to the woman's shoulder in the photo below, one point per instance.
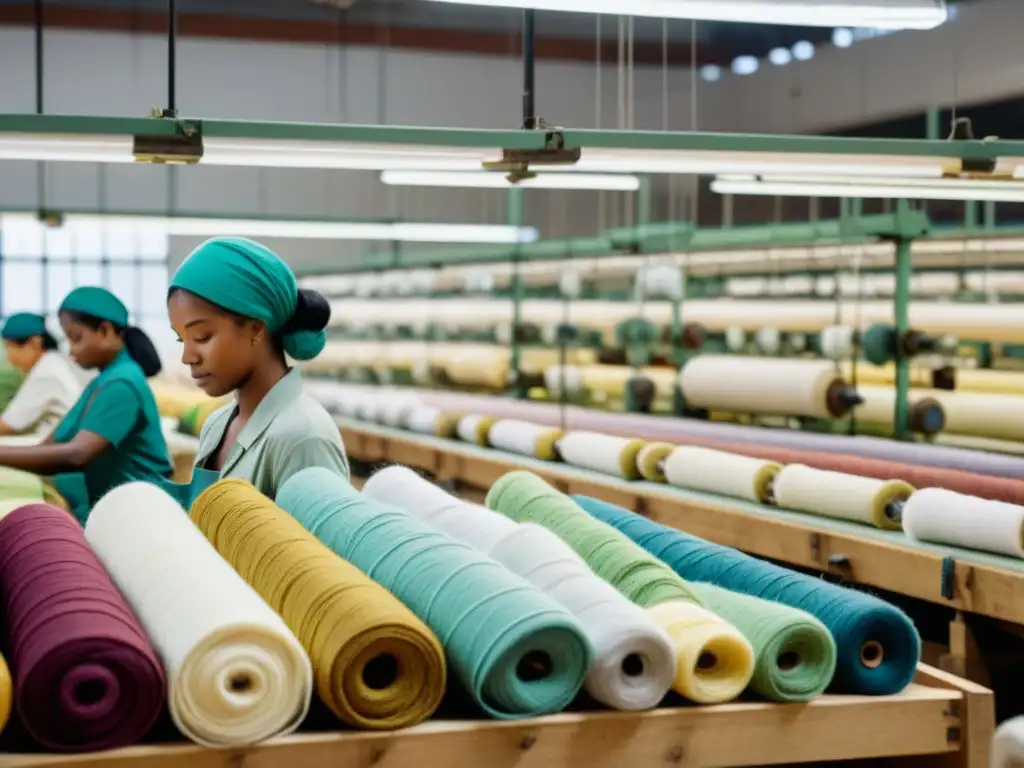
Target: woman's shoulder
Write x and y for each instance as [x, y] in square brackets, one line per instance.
[302, 419]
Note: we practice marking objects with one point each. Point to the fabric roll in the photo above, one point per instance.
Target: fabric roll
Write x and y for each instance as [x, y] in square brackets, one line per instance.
[237, 675]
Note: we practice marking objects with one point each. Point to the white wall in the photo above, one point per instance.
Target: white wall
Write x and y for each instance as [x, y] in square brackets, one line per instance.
[121, 74]
[971, 60]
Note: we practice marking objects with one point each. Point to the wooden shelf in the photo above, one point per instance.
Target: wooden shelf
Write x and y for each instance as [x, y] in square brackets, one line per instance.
[940, 721]
[984, 584]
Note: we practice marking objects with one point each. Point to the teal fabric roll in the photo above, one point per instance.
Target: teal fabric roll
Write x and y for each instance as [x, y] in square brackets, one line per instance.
[98, 302]
[249, 279]
[514, 649]
[23, 326]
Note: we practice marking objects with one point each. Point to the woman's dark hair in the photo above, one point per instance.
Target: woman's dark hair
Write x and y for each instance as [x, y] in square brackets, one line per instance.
[140, 347]
[49, 343]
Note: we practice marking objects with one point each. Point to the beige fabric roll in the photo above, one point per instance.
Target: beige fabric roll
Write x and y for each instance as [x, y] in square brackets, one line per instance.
[727, 474]
[835, 494]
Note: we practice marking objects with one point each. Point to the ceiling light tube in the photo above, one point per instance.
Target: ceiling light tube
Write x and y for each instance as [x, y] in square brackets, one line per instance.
[812, 188]
[613, 182]
[873, 14]
[199, 226]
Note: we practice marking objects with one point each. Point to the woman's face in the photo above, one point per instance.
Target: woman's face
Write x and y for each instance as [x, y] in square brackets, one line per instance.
[25, 355]
[221, 349]
[90, 347]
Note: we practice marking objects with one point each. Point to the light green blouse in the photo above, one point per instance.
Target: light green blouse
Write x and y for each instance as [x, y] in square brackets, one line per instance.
[288, 431]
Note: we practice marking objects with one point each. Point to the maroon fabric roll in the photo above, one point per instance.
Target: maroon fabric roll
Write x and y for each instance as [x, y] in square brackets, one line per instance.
[85, 674]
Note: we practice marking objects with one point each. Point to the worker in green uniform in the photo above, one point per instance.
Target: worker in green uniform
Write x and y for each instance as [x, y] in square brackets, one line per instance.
[112, 434]
[239, 314]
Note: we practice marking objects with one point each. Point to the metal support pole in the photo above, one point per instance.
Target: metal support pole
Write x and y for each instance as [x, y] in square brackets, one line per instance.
[515, 219]
[990, 214]
[901, 420]
[529, 71]
[172, 58]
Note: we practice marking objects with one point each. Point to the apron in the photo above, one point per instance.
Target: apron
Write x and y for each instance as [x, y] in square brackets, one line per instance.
[72, 487]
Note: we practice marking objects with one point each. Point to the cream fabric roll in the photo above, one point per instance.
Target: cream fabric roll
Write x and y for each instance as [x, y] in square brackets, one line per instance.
[236, 674]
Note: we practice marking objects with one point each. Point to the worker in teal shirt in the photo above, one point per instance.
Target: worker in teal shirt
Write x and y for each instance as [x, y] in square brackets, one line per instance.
[112, 434]
[239, 315]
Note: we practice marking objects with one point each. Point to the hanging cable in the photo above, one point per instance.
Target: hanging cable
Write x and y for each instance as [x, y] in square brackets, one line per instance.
[172, 58]
[529, 70]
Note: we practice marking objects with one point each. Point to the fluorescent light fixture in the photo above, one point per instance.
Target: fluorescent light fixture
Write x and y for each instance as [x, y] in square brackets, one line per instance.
[842, 37]
[198, 226]
[876, 14]
[711, 73]
[615, 182]
[803, 51]
[780, 57]
[744, 65]
[884, 188]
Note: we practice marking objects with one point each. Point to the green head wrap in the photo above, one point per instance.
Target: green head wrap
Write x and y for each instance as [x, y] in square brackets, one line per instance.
[23, 326]
[250, 280]
[98, 302]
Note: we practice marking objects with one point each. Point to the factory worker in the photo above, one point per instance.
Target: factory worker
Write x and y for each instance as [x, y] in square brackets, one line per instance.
[238, 312]
[51, 386]
[112, 434]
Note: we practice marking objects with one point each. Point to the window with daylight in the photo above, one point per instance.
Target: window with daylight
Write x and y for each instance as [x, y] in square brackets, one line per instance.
[40, 264]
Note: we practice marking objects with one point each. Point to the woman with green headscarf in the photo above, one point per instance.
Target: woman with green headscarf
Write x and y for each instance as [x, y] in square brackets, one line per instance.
[239, 315]
[112, 434]
[51, 385]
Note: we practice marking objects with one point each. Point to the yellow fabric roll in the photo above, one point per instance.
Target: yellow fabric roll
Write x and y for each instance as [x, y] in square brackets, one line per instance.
[879, 406]
[651, 461]
[715, 661]
[967, 380]
[608, 381]
[6, 693]
[999, 417]
[376, 665]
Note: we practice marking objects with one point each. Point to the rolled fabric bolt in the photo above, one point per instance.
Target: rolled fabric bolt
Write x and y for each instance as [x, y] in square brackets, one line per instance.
[237, 674]
[727, 474]
[602, 453]
[634, 659]
[846, 497]
[944, 517]
[525, 439]
[474, 428]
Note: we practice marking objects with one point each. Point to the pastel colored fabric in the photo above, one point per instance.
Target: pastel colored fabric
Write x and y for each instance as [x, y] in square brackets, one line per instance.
[86, 676]
[249, 279]
[376, 665]
[98, 302]
[516, 651]
[877, 645]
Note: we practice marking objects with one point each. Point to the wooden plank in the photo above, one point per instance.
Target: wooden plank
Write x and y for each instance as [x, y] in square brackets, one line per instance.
[982, 589]
[917, 722]
[977, 713]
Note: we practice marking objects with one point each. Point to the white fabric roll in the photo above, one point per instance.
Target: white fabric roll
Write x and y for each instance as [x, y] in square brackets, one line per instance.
[394, 409]
[236, 675]
[625, 639]
[516, 436]
[423, 419]
[601, 453]
[728, 474]
[1008, 745]
[468, 427]
[945, 517]
[837, 342]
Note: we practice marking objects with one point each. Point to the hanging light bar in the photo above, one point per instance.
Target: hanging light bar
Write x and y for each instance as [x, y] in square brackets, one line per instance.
[201, 226]
[870, 187]
[869, 14]
[612, 182]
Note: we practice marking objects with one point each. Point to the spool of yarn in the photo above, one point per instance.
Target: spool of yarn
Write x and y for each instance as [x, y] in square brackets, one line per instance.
[735, 339]
[474, 428]
[516, 651]
[394, 412]
[602, 453]
[634, 659]
[86, 677]
[650, 462]
[779, 387]
[877, 645]
[838, 342]
[712, 653]
[431, 421]
[945, 517]
[769, 340]
[847, 497]
[727, 474]
[375, 664]
[6, 694]
[525, 438]
[236, 673]
[563, 378]
[879, 343]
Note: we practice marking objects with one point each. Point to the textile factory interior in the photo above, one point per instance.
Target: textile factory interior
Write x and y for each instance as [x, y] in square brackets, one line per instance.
[547, 383]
